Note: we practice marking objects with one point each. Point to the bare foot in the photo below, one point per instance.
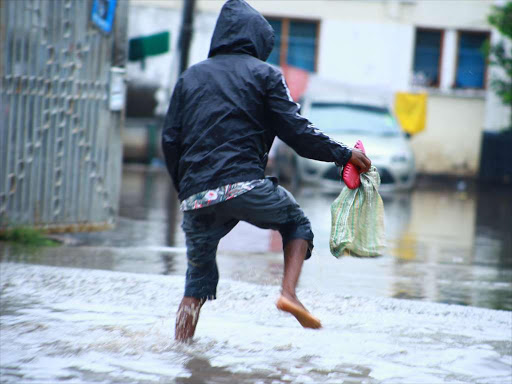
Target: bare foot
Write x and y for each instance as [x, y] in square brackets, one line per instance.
[292, 305]
[186, 318]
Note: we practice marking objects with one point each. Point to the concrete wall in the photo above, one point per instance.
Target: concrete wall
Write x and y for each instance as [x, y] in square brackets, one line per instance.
[366, 53]
[451, 141]
[161, 69]
[361, 42]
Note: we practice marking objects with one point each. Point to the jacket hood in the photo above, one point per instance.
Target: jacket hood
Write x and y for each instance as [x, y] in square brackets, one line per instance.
[242, 29]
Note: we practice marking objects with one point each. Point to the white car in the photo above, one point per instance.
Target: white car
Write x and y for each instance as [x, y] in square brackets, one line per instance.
[347, 120]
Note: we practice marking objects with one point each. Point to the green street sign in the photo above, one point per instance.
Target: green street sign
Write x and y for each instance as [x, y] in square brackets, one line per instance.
[145, 46]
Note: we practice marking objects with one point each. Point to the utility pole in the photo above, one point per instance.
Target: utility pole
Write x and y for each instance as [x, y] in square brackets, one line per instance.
[187, 25]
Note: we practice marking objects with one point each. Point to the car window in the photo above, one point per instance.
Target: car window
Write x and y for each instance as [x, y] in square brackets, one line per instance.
[336, 118]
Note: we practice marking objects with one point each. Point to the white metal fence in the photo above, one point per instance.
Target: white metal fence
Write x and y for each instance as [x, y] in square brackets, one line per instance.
[60, 145]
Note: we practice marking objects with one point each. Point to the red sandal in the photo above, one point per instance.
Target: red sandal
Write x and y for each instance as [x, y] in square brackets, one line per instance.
[350, 172]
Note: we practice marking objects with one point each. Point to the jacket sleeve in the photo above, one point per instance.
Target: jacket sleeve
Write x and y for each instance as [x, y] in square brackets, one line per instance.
[171, 135]
[297, 131]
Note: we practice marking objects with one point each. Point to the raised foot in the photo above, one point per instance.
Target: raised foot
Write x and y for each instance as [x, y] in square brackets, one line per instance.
[306, 319]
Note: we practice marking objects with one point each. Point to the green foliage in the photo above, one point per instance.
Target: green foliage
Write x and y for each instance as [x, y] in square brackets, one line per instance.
[501, 19]
[27, 236]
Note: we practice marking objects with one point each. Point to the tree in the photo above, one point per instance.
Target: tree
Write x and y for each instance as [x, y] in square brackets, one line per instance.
[501, 53]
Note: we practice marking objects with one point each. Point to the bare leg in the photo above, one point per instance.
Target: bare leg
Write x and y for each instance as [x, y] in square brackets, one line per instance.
[187, 317]
[294, 254]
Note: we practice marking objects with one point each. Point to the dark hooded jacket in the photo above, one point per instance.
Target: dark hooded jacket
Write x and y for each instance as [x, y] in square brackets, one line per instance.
[226, 111]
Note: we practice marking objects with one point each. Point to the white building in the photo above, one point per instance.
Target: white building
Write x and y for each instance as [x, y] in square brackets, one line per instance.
[404, 45]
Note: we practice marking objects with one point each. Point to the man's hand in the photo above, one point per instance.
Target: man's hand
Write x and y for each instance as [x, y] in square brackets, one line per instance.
[360, 160]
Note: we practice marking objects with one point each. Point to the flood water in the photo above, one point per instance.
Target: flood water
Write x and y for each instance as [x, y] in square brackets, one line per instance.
[100, 309]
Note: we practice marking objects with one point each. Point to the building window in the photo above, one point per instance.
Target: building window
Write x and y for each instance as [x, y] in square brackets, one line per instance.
[471, 60]
[295, 43]
[275, 55]
[427, 57]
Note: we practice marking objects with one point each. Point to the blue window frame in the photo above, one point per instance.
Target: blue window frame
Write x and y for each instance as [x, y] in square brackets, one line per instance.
[471, 60]
[295, 43]
[427, 56]
[274, 57]
[302, 45]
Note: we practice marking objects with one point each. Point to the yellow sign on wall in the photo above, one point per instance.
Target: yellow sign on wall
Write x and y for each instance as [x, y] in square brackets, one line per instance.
[411, 111]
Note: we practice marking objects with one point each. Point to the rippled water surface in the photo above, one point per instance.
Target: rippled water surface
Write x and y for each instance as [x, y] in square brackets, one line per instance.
[75, 325]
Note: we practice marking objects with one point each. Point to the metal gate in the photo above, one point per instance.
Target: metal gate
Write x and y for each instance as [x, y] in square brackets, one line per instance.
[60, 144]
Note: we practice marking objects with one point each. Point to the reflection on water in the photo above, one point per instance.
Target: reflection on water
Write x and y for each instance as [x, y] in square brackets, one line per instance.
[445, 245]
[129, 259]
[462, 241]
[203, 372]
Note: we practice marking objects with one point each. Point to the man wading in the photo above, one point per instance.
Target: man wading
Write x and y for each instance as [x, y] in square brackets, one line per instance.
[223, 117]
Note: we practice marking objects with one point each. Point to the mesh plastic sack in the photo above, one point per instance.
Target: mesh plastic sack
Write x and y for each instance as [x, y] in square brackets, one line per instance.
[357, 219]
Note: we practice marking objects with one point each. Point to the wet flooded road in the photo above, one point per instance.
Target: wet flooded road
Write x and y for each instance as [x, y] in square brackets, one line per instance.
[445, 244]
[83, 326]
[99, 309]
